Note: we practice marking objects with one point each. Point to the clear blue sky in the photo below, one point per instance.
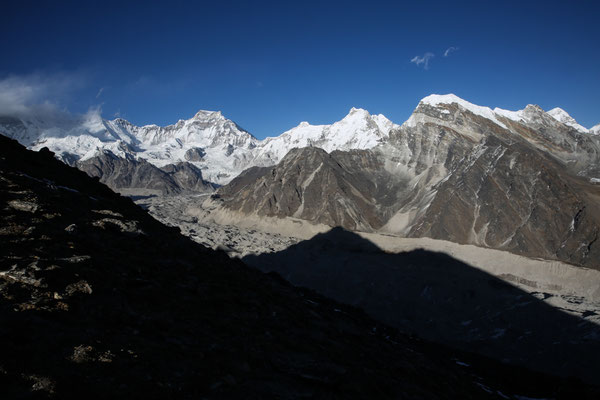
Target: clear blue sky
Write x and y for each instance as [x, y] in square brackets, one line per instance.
[270, 65]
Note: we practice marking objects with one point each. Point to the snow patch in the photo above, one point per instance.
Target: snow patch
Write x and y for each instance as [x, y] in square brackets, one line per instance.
[563, 117]
[485, 112]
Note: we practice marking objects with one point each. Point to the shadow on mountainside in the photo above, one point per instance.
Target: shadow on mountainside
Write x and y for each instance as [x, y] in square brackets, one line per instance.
[441, 299]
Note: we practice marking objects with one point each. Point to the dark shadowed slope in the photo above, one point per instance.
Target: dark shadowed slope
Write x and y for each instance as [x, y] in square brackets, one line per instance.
[99, 300]
[443, 300]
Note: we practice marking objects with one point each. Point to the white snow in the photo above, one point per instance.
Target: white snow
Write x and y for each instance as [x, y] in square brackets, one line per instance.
[512, 115]
[562, 116]
[521, 116]
[228, 148]
[485, 112]
[357, 130]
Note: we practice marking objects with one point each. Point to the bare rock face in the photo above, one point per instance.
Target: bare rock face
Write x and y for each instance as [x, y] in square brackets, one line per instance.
[195, 154]
[515, 198]
[130, 173]
[454, 172]
[188, 177]
[310, 184]
[517, 188]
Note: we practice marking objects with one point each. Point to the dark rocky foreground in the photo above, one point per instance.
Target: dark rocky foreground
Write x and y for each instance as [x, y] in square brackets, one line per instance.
[99, 300]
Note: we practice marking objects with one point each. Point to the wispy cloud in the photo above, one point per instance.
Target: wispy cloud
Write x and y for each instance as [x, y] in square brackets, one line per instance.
[450, 50]
[100, 92]
[423, 60]
[42, 97]
[19, 94]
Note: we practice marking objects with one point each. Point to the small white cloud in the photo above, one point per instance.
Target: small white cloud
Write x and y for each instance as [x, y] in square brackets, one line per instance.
[100, 92]
[450, 50]
[424, 60]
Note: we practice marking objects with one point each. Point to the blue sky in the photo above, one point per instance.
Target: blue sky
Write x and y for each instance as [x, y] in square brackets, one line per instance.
[270, 65]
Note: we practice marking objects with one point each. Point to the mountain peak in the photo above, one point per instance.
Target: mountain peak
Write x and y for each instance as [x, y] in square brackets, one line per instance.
[562, 116]
[435, 100]
[204, 114]
[354, 110]
[360, 112]
[559, 114]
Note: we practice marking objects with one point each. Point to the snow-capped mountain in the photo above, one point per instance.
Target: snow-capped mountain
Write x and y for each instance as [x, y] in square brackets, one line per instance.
[520, 181]
[209, 141]
[220, 149]
[562, 116]
[357, 130]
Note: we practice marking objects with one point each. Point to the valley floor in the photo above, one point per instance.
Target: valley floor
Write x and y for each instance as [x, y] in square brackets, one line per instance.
[565, 287]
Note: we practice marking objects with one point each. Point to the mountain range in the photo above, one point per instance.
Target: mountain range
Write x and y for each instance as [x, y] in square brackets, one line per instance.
[523, 181]
[208, 141]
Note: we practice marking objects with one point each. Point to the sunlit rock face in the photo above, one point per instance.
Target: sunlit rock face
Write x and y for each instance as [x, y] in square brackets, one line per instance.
[518, 181]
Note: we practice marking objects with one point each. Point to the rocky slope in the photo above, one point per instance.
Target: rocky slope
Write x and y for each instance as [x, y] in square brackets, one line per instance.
[139, 176]
[100, 300]
[518, 181]
[311, 184]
